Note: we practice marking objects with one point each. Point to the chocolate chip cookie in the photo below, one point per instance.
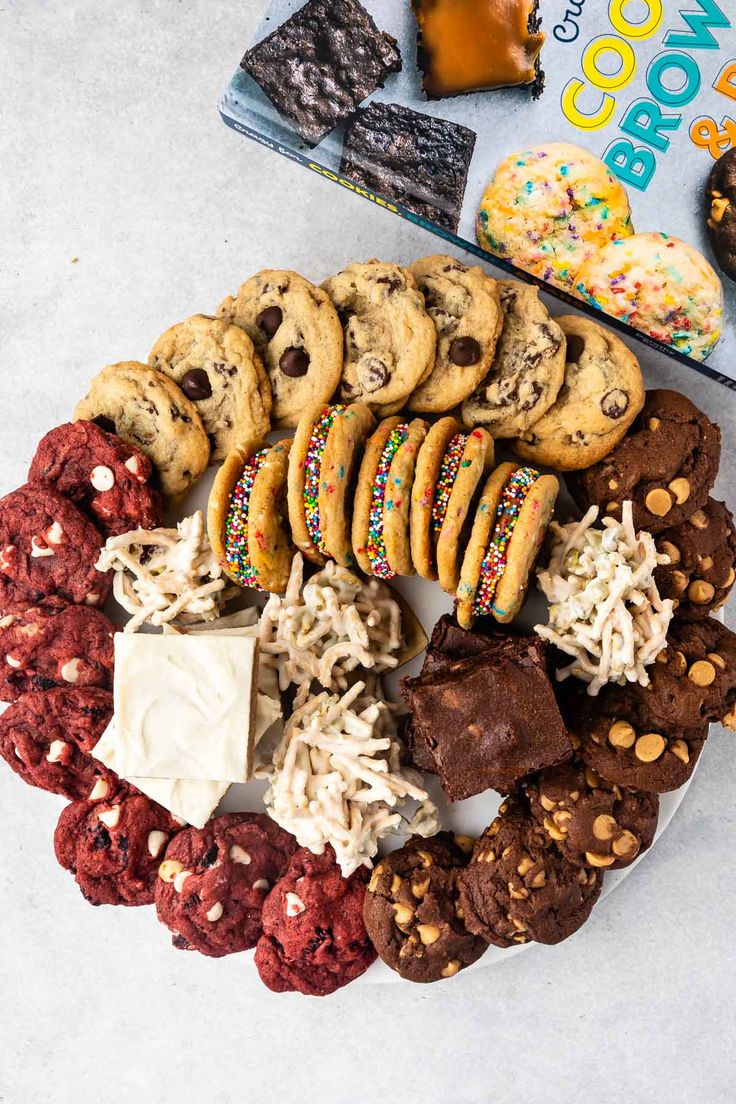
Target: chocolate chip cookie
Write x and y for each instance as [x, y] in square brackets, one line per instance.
[296, 332]
[702, 552]
[216, 366]
[147, 409]
[389, 339]
[720, 196]
[666, 465]
[593, 822]
[518, 887]
[527, 370]
[602, 393]
[464, 305]
[413, 914]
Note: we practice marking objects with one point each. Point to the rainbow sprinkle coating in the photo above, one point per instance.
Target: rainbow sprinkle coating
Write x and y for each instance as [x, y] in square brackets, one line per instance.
[375, 547]
[493, 566]
[236, 524]
[312, 469]
[446, 481]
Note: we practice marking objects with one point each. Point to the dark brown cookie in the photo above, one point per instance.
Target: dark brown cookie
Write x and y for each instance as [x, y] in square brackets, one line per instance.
[412, 911]
[519, 887]
[666, 465]
[720, 195]
[702, 552]
[592, 821]
[694, 678]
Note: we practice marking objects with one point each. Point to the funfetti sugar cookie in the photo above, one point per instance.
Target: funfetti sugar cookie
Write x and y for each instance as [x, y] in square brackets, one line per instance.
[465, 464]
[509, 526]
[464, 305]
[246, 517]
[549, 208]
[389, 339]
[659, 285]
[297, 333]
[383, 497]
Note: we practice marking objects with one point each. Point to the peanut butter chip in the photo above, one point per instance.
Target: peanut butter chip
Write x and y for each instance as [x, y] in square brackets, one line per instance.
[705, 562]
[654, 424]
[621, 734]
[403, 915]
[718, 208]
[681, 490]
[649, 747]
[730, 578]
[699, 520]
[604, 827]
[701, 592]
[717, 659]
[658, 502]
[729, 720]
[451, 968]
[553, 831]
[679, 581]
[547, 803]
[428, 934]
[702, 673]
[671, 550]
[611, 507]
[593, 859]
[680, 750]
[626, 845]
[613, 484]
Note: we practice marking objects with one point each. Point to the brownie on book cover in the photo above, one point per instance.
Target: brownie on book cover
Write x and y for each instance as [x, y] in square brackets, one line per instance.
[413, 159]
[318, 66]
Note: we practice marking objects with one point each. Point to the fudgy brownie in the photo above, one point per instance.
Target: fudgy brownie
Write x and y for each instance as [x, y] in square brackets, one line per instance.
[318, 66]
[415, 160]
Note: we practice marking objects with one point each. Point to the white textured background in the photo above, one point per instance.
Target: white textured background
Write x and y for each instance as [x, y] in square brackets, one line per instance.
[111, 151]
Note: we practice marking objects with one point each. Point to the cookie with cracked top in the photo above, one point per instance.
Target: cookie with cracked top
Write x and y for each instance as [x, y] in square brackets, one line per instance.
[518, 887]
[413, 914]
[702, 551]
[213, 881]
[527, 370]
[109, 479]
[389, 339]
[593, 822]
[602, 392]
[147, 409]
[720, 195]
[297, 334]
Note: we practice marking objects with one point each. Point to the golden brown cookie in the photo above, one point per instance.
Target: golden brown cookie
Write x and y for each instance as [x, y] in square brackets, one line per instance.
[464, 467]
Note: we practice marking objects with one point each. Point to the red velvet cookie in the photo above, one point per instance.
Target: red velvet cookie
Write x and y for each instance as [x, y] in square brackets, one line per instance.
[213, 881]
[107, 478]
[47, 735]
[114, 847]
[47, 549]
[44, 647]
[314, 940]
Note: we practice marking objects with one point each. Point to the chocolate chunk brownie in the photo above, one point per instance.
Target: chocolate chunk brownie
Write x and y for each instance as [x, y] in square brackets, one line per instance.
[213, 881]
[114, 847]
[410, 158]
[666, 465]
[107, 478]
[318, 66]
[592, 821]
[519, 887]
[45, 647]
[47, 737]
[314, 939]
[702, 552]
[413, 914]
[48, 549]
[720, 195]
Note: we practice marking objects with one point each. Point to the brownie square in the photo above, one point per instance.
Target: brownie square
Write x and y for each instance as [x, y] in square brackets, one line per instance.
[413, 159]
[488, 719]
[318, 66]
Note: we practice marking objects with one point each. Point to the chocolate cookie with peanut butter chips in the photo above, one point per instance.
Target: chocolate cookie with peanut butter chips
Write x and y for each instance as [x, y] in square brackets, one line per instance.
[593, 822]
[666, 465]
[720, 195]
[519, 888]
[413, 913]
[694, 678]
[702, 552]
[48, 549]
[108, 478]
[296, 332]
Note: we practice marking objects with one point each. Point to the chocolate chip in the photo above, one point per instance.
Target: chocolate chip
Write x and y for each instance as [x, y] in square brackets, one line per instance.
[536, 389]
[269, 320]
[394, 283]
[294, 362]
[575, 347]
[196, 384]
[101, 839]
[373, 374]
[615, 404]
[210, 857]
[104, 423]
[464, 351]
[180, 942]
[41, 682]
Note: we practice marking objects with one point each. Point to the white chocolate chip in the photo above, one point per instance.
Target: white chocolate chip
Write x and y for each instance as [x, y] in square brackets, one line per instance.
[134, 467]
[17, 754]
[6, 622]
[156, 842]
[70, 671]
[180, 879]
[238, 854]
[262, 883]
[54, 533]
[102, 478]
[56, 750]
[91, 599]
[110, 817]
[215, 912]
[99, 790]
[178, 820]
[294, 904]
[6, 556]
[39, 550]
[12, 661]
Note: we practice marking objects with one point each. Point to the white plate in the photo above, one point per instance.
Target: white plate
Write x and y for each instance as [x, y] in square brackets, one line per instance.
[469, 817]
